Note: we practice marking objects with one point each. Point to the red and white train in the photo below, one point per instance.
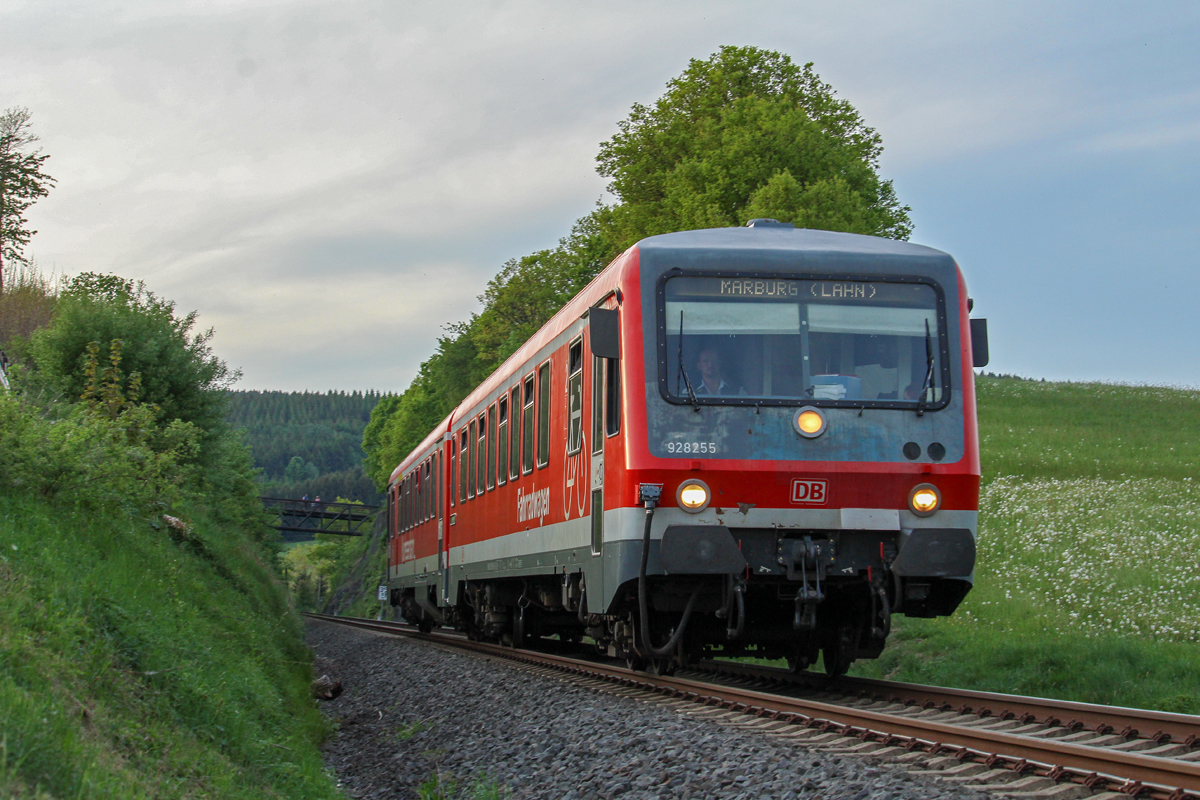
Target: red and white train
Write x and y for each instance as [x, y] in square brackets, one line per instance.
[757, 439]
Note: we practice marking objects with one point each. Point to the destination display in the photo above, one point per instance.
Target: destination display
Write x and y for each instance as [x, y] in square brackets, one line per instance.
[776, 289]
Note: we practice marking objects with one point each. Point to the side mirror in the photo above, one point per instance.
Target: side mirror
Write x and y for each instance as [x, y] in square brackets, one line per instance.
[979, 343]
[605, 332]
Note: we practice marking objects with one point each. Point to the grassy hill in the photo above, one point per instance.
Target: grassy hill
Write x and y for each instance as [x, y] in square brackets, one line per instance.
[1088, 579]
[142, 654]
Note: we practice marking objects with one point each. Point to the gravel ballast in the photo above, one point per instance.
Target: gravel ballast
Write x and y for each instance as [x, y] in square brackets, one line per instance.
[412, 714]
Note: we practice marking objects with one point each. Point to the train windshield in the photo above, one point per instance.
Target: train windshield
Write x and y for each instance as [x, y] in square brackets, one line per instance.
[732, 341]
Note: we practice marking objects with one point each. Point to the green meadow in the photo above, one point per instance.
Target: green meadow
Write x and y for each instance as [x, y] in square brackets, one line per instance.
[1088, 576]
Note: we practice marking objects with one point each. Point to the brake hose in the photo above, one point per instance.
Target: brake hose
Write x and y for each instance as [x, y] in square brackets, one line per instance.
[650, 495]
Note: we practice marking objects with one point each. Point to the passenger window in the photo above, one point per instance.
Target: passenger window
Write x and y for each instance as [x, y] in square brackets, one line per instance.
[491, 448]
[527, 438]
[452, 473]
[597, 405]
[464, 466]
[612, 385]
[471, 471]
[575, 397]
[514, 453]
[481, 464]
[502, 442]
[543, 408]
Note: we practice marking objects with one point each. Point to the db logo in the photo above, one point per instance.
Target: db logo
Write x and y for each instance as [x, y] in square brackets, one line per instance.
[807, 492]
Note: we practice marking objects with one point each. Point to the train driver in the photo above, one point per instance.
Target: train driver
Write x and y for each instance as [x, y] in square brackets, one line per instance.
[711, 381]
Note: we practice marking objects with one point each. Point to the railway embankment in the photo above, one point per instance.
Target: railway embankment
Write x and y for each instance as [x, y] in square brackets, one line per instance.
[147, 648]
[416, 720]
[1089, 536]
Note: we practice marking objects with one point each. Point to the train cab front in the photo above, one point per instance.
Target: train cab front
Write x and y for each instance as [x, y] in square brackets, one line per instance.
[809, 424]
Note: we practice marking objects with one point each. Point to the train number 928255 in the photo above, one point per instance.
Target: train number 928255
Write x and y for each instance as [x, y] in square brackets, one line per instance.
[691, 447]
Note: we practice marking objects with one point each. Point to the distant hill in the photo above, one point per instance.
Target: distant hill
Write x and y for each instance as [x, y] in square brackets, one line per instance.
[307, 442]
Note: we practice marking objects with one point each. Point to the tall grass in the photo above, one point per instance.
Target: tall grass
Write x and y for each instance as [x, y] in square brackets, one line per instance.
[1087, 585]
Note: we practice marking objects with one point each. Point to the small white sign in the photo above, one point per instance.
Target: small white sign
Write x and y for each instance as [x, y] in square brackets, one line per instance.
[383, 593]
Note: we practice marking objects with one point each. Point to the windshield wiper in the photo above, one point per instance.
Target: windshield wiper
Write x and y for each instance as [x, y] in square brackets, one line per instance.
[683, 369]
[925, 385]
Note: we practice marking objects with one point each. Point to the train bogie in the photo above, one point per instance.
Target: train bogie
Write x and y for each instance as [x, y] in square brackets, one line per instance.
[739, 440]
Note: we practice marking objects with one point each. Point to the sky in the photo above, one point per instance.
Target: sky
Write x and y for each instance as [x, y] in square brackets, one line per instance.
[328, 184]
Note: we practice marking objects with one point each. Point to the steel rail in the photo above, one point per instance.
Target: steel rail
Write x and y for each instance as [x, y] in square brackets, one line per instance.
[1095, 767]
[1127, 722]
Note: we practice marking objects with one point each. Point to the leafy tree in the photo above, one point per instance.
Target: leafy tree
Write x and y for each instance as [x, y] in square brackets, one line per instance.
[746, 133]
[22, 182]
[153, 354]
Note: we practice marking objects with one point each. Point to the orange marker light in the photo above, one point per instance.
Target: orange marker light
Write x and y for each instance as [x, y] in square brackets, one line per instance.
[809, 422]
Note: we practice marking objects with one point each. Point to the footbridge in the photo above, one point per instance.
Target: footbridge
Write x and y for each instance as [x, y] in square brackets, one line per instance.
[314, 516]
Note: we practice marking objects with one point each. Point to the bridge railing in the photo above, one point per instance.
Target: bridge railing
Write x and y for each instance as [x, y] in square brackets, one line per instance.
[315, 516]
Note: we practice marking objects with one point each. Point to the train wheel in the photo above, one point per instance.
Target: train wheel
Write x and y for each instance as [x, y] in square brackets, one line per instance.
[661, 666]
[518, 634]
[425, 625]
[840, 653]
[635, 662]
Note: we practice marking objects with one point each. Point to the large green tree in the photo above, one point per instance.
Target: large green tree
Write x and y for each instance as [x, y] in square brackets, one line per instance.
[746, 133]
[22, 182]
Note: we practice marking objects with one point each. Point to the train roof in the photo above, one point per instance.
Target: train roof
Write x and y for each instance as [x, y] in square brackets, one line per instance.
[780, 238]
[437, 433]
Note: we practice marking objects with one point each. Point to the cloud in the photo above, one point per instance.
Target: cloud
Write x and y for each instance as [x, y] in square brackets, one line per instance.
[329, 183]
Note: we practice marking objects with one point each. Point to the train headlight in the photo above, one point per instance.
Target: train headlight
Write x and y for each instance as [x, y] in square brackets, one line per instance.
[809, 422]
[693, 495]
[924, 499]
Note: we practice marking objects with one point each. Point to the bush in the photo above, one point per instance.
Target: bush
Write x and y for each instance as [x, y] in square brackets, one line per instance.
[161, 361]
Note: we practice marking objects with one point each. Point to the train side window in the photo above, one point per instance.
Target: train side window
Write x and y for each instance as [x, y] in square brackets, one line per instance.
[437, 503]
[575, 397]
[514, 450]
[452, 473]
[491, 448]
[612, 392]
[481, 464]
[404, 503]
[543, 414]
[464, 465]
[427, 491]
[471, 467]
[597, 405]
[502, 442]
[527, 435]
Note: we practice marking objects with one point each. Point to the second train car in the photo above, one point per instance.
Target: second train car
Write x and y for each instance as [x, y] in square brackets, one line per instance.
[738, 440]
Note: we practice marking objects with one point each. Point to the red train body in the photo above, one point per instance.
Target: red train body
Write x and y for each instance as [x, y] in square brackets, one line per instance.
[750, 439]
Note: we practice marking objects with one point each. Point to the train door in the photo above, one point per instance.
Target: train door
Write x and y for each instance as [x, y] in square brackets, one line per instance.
[445, 498]
[604, 336]
[437, 501]
[597, 454]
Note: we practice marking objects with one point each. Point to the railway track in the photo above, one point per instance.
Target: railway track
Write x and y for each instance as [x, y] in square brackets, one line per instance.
[1005, 744]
